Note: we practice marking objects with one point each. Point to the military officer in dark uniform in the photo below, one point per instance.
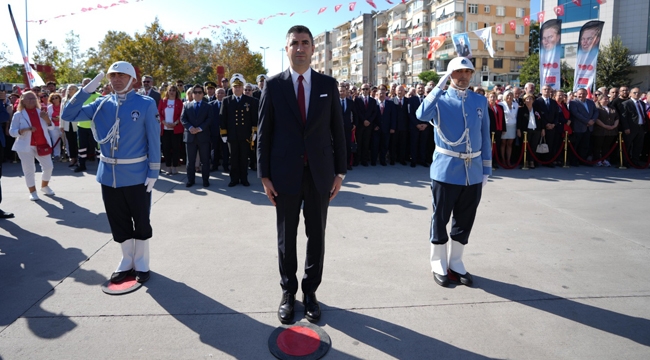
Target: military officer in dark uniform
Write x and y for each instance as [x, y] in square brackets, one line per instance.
[238, 122]
[261, 79]
[211, 88]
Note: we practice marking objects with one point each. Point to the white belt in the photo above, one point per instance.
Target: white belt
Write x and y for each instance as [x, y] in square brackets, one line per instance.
[114, 161]
[463, 156]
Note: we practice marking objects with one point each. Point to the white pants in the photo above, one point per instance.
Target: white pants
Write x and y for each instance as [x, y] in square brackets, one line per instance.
[56, 135]
[29, 168]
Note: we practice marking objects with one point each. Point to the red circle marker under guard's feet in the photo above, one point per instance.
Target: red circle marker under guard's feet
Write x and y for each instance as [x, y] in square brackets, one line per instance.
[129, 284]
[301, 340]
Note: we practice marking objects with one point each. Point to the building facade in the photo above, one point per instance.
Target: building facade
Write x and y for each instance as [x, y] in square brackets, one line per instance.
[321, 60]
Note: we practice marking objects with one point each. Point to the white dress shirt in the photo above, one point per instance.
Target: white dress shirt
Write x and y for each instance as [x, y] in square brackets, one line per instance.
[306, 83]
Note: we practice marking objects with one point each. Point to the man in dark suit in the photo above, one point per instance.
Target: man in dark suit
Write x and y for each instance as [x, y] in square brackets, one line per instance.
[418, 130]
[549, 112]
[634, 122]
[384, 127]
[350, 117]
[301, 161]
[225, 83]
[6, 109]
[148, 90]
[399, 140]
[261, 78]
[583, 117]
[196, 121]
[239, 127]
[367, 110]
[219, 148]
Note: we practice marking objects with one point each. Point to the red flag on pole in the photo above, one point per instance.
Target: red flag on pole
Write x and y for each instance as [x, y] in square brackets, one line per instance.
[337, 7]
[540, 17]
[434, 44]
[513, 24]
[577, 2]
[321, 10]
[352, 5]
[559, 10]
[527, 20]
[499, 29]
[371, 3]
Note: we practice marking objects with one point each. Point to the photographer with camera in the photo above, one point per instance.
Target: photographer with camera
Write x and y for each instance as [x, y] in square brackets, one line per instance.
[6, 110]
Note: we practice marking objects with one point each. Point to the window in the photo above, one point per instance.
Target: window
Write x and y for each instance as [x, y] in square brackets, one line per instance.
[520, 46]
[572, 12]
[519, 30]
[498, 63]
[473, 44]
[473, 26]
[473, 9]
[501, 45]
[515, 65]
[484, 61]
[521, 12]
[501, 11]
[487, 9]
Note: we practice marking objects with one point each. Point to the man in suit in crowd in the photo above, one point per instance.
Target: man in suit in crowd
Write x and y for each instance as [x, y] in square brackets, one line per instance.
[6, 110]
[211, 88]
[368, 112]
[384, 127]
[583, 117]
[148, 90]
[634, 122]
[196, 121]
[549, 112]
[261, 78]
[419, 131]
[225, 84]
[399, 140]
[219, 149]
[238, 123]
[301, 161]
[350, 117]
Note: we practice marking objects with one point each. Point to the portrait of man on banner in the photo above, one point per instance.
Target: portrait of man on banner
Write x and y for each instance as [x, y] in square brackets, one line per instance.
[549, 53]
[461, 43]
[587, 56]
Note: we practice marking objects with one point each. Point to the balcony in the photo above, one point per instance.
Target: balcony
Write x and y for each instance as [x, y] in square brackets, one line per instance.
[343, 34]
[399, 45]
[382, 25]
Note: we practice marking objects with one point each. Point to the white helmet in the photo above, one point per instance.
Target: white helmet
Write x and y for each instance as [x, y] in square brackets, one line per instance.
[459, 63]
[122, 67]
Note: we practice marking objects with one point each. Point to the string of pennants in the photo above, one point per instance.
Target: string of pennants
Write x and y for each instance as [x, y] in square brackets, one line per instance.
[85, 10]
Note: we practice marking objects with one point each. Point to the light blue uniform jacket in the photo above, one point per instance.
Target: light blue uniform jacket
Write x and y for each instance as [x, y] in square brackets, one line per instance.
[139, 135]
[445, 108]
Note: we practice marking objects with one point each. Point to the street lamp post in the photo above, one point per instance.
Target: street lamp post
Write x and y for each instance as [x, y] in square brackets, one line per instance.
[264, 49]
[282, 58]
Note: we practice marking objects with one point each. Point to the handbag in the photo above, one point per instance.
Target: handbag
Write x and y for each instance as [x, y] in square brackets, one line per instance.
[542, 147]
[44, 149]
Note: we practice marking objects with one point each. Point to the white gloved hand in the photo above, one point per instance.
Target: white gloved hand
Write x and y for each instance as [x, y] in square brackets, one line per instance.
[224, 139]
[94, 83]
[485, 177]
[254, 136]
[443, 80]
[149, 183]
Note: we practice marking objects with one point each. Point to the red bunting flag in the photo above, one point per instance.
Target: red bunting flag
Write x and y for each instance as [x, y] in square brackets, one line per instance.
[527, 20]
[559, 10]
[513, 24]
[601, 1]
[577, 2]
[337, 7]
[434, 44]
[371, 3]
[352, 5]
[322, 10]
[499, 29]
[390, 2]
[540, 17]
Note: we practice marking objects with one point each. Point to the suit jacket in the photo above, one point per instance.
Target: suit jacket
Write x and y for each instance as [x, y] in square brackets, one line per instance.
[283, 139]
[369, 113]
[215, 119]
[4, 118]
[497, 120]
[257, 94]
[412, 107]
[402, 114]
[548, 114]
[178, 109]
[200, 119]
[152, 94]
[631, 115]
[350, 115]
[21, 121]
[238, 120]
[580, 116]
[523, 118]
[388, 120]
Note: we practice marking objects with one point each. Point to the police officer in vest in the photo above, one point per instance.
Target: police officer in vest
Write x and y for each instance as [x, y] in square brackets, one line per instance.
[462, 162]
[127, 128]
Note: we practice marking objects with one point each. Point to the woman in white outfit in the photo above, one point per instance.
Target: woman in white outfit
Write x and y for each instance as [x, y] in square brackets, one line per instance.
[510, 108]
[30, 127]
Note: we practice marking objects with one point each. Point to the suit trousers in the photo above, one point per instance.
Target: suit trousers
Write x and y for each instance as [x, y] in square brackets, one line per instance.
[634, 142]
[348, 145]
[379, 146]
[239, 150]
[364, 133]
[460, 200]
[204, 155]
[315, 206]
[580, 141]
[71, 143]
[2, 159]
[127, 210]
[399, 146]
[419, 145]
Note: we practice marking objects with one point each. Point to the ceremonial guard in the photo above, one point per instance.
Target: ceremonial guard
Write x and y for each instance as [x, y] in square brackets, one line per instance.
[126, 126]
[462, 162]
[238, 122]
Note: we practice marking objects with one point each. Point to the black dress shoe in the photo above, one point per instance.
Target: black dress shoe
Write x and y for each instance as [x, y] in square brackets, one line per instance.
[392, 162]
[141, 276]
[383, 163]
[285, 310]
[245, 183]
[364, 164]
[226, 169]
[465, 279]
[413, 164]
[441, 280]
[403, 162]
[73, 164]
[189, 184]
[214, 168]
[119, 276]
[206, 183]
[80, 169]
[312, 308]
[349, 167]
[6, 215]
[232, 183]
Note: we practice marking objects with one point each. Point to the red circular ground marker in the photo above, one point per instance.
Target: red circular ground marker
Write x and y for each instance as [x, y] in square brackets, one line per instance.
[129, 284]
[304, 341]
[298, 341]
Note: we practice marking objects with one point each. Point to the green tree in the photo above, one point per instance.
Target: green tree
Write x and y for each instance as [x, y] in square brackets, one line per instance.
[533, 38]
[615, 64]
[68, 68]
[45, 53]
[233, 53]
[12, 73]
[429, 75]
[567, 73]
[530, 70]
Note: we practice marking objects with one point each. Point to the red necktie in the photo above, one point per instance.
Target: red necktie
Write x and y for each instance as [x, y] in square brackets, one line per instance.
[301, 99]
[381, 108]
[365, 100]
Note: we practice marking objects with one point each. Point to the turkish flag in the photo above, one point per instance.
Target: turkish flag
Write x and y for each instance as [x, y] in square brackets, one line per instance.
[499, 29]
[337, 7]
[352, 5]
[577, 2]
[321, 10]
[601, 1]
[371, 3]
[559, 10]
[512, 24]
[540, 17]
[390, 2]
[434, 44]
[527, 20]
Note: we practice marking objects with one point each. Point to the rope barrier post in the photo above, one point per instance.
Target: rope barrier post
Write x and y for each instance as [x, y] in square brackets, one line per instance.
[620, 150]
[493, 143]
[566, 149]
[525, 167]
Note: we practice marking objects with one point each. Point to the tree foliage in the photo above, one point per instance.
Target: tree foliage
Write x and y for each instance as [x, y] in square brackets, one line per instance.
[429, 75]
[533, 38]
[615, 64]
[567, 73]
[530, 70]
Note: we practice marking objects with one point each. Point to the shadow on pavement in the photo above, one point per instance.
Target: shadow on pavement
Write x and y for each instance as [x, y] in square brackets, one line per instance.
[75, 216]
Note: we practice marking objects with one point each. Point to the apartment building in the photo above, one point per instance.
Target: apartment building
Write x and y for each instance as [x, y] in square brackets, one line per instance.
[321, 60]
[340, 38]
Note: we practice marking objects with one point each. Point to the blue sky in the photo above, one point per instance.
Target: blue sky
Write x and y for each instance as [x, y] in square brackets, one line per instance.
[180, 17]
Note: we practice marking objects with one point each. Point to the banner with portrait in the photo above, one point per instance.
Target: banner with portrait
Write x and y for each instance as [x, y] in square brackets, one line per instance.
[462, 45]
[549, 53]
[587, 56]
